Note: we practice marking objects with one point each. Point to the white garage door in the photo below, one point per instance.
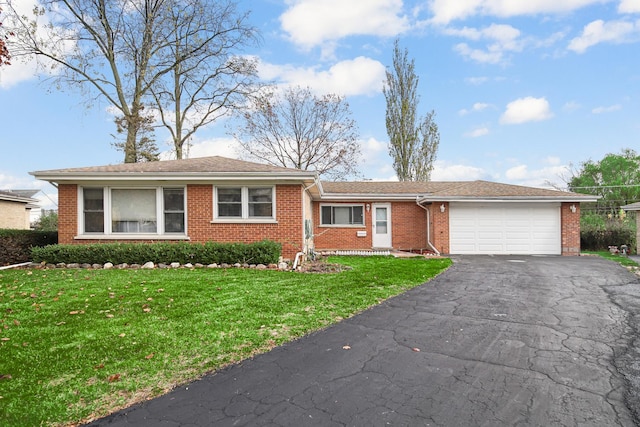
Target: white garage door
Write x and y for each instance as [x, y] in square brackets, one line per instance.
[504, 228]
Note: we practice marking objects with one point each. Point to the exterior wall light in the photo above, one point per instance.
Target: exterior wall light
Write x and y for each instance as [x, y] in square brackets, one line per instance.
[573, 208]
[442, 207]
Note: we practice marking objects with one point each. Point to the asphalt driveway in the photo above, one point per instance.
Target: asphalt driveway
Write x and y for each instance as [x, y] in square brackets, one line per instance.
[493, 341]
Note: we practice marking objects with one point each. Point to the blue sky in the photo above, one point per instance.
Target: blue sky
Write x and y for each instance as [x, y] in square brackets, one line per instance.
[522, 90]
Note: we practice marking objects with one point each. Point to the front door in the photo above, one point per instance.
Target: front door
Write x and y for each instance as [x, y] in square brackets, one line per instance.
[381, 226]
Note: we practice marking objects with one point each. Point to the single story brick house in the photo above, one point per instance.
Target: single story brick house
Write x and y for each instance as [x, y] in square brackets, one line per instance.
[228, 200]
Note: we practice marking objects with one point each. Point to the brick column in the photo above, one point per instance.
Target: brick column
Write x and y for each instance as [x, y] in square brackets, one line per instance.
[570, 226]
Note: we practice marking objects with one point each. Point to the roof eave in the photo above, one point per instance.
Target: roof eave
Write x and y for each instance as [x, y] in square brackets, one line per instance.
[574, 199]
[169, 176]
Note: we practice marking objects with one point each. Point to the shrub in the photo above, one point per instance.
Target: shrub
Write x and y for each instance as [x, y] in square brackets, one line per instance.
[265, 252]
[598, 232]
[15, 245]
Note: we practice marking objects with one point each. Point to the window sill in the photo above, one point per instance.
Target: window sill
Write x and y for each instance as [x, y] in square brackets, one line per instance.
[342, 226]
[243, 221]
[126, 236]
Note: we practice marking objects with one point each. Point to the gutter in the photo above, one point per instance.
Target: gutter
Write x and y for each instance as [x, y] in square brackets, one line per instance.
[428, 228]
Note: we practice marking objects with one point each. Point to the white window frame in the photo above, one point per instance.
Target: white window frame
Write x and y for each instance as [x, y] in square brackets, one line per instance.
[244, 218]
[344, 205]
[108, 229]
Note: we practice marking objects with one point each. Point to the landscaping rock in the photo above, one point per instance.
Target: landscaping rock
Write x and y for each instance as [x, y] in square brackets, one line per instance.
[261, 267]
[175, 265]
[85, 266]
[162, 265]
[73, 265]
[198, 265]
[225, 265]
[148, 266]
[273, 266]
[188, 265]
[237, 265]
[283, 266]
[108, 266]
[96, 266]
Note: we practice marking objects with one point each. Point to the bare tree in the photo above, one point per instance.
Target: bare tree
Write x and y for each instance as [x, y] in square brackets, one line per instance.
[413, 142]
[122, 49]
[300, 130]
[5, 58]
[208, 78]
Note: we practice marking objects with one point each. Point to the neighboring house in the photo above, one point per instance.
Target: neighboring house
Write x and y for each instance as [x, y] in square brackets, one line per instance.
[15, 208]
[228, 200]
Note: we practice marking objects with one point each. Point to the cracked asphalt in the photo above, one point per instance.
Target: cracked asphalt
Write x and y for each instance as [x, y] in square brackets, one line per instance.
[493, 341]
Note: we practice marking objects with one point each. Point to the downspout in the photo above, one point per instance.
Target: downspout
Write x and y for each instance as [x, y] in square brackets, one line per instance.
[428, 228]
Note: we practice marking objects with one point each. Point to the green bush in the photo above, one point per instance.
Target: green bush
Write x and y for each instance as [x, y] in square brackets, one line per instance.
[265, 252]
[598, 232]
[15, 245]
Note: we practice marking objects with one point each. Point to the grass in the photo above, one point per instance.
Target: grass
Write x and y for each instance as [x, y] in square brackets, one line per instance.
[79, 344]
[620, 259]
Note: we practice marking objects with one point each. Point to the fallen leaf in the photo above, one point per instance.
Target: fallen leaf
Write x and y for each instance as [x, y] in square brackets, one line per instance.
[122, 335]
[5, 377]
[16, 322]
[60, 323]
[113, 378]
[109, 316]
[148, 356]
[74, 312]
[416, 349]
[5, 339]
[100, 366]
[346, 347]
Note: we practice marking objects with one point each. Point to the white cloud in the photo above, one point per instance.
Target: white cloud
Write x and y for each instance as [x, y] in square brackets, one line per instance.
[609, 109]
[481, 131]
[445, 171]
[527, 109]
[600, 31]
[223, 146]
[502, 39]
[629, 6]
[543, 177]
[445, 11]
[359, 76]
[311, 23]
[477, 107]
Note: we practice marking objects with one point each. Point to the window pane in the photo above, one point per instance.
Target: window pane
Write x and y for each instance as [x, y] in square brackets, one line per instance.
[229, 202]
[174, 222]
[94, 222]
[326, 215]
[260, 202]
[358, 216]
[93, 201]
[229, 195]
[133, 211]
[173, 199]
[341, 215]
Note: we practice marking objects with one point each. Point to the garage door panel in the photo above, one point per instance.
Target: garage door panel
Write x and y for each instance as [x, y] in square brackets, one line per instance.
[504, 228]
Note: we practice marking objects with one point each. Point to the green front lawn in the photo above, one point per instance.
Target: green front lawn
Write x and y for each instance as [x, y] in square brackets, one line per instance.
[620, 259]
[79, 344]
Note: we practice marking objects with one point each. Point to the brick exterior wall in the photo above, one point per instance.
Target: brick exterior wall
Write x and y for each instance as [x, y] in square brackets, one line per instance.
[67, 213]
[408, 229]
[440, 226]
[14, 215]
[288, 230]
[570, 229]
